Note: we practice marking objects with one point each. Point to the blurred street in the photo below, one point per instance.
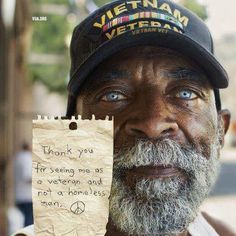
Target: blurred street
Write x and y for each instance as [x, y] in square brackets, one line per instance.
[222, 202]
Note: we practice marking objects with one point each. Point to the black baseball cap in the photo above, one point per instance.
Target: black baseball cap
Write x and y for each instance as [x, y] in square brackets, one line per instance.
[123, 24]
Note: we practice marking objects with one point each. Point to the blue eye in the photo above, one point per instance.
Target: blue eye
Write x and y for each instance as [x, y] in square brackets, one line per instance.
[113, 97]
[186, 94]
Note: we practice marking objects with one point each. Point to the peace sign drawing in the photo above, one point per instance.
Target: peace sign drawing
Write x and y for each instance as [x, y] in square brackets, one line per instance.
[77, 208]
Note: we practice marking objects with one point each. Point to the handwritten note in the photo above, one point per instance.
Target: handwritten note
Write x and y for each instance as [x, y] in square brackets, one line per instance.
[72, 174]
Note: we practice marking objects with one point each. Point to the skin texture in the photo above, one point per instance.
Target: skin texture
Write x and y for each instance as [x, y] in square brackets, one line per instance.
[153, 93]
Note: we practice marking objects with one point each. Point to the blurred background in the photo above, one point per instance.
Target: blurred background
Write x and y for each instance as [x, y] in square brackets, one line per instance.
[34, 65]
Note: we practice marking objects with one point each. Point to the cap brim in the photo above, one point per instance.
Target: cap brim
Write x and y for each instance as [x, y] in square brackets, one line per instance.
[173, 40]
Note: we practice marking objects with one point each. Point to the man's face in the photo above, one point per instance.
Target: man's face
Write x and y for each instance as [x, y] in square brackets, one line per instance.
[167, 137]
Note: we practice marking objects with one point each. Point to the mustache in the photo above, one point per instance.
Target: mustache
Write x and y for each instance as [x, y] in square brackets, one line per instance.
[165, 152]
[157, 205]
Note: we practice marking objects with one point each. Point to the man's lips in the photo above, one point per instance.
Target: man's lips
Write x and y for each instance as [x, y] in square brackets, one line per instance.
[152, 172]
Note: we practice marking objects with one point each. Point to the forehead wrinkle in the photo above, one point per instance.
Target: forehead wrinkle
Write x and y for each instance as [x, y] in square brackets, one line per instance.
[114, 74]
[145, 69]
[186, 73]
[97, 79]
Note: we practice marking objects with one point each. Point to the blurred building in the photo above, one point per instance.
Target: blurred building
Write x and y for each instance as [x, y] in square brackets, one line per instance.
[21, 100]
[15, 92]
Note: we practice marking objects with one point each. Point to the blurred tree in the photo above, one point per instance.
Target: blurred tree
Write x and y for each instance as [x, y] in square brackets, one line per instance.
[50, 38]
[100, 3]
[193, 5]
[196, 7]
[51, 1]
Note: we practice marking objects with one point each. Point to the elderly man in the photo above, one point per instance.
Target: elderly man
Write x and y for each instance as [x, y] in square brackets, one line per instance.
[150, 65]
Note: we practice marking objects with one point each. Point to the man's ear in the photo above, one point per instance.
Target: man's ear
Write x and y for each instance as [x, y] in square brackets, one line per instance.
[225, 116]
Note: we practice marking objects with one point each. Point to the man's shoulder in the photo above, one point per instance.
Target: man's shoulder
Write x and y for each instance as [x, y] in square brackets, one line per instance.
[27, 231]
[220, 227]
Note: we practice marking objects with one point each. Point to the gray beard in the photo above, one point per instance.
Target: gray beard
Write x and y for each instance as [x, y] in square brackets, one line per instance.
[161, 206]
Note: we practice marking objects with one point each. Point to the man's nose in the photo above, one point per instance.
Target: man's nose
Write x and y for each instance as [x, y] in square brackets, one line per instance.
[155, 123]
